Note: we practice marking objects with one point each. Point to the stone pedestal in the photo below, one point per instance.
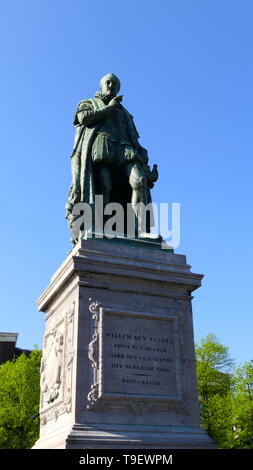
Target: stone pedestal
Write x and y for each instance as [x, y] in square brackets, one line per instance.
[118, 366]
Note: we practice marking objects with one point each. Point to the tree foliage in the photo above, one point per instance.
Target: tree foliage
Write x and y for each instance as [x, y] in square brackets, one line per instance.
[225, 395]
[213, 367]
[242, 397]
[19, 401]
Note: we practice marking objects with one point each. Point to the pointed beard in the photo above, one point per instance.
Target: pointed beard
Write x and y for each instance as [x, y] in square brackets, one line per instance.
[104, 97]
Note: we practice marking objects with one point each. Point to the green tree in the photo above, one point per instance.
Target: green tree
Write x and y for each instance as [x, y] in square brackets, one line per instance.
[214, 366]
[19, 401]
[214, 379]
[242, 394]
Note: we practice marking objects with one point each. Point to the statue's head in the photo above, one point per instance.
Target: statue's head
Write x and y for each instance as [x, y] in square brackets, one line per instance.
[110, 85]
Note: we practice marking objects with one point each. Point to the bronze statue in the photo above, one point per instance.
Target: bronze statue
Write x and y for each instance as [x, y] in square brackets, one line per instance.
[107, 158]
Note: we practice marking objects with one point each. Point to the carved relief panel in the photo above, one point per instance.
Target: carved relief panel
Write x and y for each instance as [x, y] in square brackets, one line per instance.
[56, 367]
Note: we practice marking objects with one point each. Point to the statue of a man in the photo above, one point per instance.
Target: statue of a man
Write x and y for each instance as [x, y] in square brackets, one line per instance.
[107, 158]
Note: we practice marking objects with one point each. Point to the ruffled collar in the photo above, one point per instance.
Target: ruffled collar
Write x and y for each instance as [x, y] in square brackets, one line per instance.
[106, 99]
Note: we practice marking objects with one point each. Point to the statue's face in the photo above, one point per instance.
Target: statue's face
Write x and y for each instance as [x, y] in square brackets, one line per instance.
[110, 85]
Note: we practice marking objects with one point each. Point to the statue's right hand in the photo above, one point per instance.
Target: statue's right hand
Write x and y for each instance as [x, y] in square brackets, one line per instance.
[116, 100]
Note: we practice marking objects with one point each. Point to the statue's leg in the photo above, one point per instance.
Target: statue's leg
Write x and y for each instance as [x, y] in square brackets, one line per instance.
[75, 169]
[103, 173]
[74, 193]
[138, 182]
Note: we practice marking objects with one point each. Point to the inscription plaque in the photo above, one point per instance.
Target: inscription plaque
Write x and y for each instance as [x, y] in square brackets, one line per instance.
[138, 355]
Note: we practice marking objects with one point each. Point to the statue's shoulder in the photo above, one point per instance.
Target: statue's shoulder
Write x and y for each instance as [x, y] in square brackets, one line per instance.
[84, 104]
[130, 120]
[129, 116]
[127, 112]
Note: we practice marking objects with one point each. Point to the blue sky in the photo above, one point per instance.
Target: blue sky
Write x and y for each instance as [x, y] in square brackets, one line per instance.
[186, 71]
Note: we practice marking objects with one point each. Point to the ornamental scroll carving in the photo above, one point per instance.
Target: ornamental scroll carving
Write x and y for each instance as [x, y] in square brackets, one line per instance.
[93, 354]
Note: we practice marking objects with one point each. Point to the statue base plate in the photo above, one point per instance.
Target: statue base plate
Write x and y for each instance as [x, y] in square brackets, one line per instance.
[127, 437]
